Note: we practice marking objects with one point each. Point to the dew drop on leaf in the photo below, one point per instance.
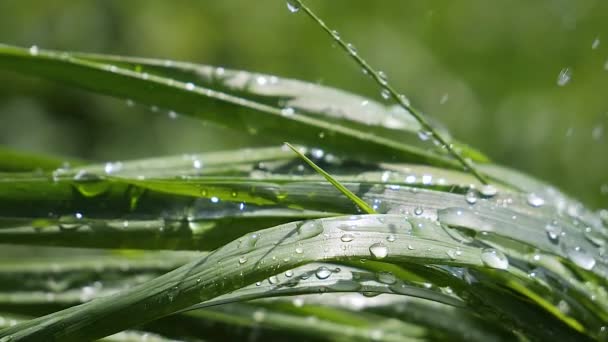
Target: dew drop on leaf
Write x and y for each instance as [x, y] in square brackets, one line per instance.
[534, 200]
[581, 258]
[322, 272]
[378, 250]
[293, 6]
[494, 258]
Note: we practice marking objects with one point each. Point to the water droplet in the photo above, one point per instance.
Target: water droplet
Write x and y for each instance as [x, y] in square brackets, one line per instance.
[488, 190]
[352, 49]
[471, 197]
[385, 93]
[293, 6]
[70, 222]
[386, 278]
[336, 34]
[197, 164]
[214, 199]
[424, 135]
[323, 272]
[418, 211]
[596, 43]
[242, 260]
[317, 153]
[287, 111]
[378, 250]
[564, 77]
[581, 258]
[535, 200]
[289, 273]
[390, 238]
[494, 258]
[34, 50]
[451, 253]
[347, 237]
[273, 280]
[553, 232]
[382, 77]
[595, 237]
[299, 250]
[190, 86]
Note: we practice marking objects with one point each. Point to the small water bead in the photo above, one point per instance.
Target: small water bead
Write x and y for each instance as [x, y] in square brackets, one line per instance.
[418, 211]
[197, 164]
[385, 93]
[242, 260]
[289, 273]
[378, 250]
[565, 75]
[273, 280]
[299, 250]
[190, 86]
[427, 179]
[595, 237]
[494, 258]
[424, 135]
[553, 231]
[322, 273]
[336, 34]
[293, 6]
[352, 49]
[214, 199]
[471, 197]
[347, 237]
[390, 238]
[34, 50]
[70, 222]
[534, 200]
[242, 206]
[287, 111]
[488, 190]
[383, 78]
[581, 258]
[317, 153]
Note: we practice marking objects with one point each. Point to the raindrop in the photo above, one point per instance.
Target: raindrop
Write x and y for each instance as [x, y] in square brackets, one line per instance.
[347, 237]
[197, 164]
[471, 197]
[352, 49]
[535, 200]
[581, 258]
[378, 250]
[336, 34]
[488, 190]
[553, 231]
[385, 93]
[494, 258]
[386, 278]
[390, 238]
[289, 273]
[424, 135]
[595, 237]
[323, 272]
[273, 280]
[299, 250]
[293, 6]
[34, 50]
[564, 77]
[172, 115]
[383, 77]
[70, 222]
[242, 260]
[190, 86]
[214, 199]
[418, 211]
[287, 111]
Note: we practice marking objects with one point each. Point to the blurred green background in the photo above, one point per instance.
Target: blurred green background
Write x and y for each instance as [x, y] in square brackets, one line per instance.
[489, 70]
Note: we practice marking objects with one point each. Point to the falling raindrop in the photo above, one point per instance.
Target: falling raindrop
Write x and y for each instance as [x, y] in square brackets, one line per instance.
[378, 250]
[494, 258]
[564, 77]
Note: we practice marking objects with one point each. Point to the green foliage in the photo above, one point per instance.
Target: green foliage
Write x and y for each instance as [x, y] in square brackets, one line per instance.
[251, 242]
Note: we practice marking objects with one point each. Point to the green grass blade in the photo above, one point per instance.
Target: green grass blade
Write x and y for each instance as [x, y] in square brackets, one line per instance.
[358, 201]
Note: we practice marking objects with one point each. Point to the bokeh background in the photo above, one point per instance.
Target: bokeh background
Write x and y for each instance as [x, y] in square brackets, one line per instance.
[524, 81]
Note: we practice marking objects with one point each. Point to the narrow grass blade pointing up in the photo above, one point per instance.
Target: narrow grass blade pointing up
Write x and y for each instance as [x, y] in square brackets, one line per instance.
[358, 201]
[400, 99]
